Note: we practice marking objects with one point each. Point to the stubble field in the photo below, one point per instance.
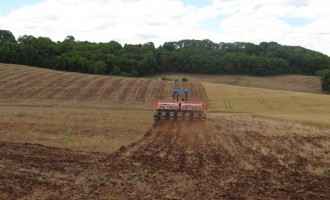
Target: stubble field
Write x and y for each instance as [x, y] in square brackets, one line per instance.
[74, 136]
[305, 108]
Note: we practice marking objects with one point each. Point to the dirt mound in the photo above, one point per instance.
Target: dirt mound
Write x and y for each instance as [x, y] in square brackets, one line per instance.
[228, 158]
[22, 82]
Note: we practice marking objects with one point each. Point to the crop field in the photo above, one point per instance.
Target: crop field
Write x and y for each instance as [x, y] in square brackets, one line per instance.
[303, 107]
[78, 111]
[228, 158]
[296, 83]
[30, 85]
[76, 136]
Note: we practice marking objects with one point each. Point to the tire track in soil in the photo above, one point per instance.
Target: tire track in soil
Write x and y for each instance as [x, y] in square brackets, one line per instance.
[300, 103]
[265, 104]
[225, 97]
[255, 166]
[176, 161]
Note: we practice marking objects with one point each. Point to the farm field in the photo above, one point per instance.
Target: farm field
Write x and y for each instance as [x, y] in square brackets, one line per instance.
[76, 136]
[230, 158]
[296, 83]
[28, 85]
[79, 111]
[303, 107]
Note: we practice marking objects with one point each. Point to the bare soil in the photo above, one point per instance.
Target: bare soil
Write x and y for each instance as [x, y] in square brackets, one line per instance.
[226, 158]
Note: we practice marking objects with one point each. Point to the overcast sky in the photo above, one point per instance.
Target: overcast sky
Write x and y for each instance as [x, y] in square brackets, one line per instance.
[289, 22]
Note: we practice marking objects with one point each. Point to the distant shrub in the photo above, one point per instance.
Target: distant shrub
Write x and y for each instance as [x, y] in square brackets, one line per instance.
[166, 79]
[176, 80]
[184, 79]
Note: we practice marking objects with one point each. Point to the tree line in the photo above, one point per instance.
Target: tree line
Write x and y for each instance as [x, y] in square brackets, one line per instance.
[190, 56]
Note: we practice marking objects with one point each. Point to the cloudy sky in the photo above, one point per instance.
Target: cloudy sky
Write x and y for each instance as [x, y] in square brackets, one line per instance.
[291, 22]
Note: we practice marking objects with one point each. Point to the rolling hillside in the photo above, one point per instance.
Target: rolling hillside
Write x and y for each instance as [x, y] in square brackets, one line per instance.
[296, 83]
[29, 85]
[297, 106]
[22, 83]
[77, 136]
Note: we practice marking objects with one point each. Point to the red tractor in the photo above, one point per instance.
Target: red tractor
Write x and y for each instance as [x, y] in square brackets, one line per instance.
[179, 108]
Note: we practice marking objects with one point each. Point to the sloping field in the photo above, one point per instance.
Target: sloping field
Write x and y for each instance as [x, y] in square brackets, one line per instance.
[303, 107]
[21, 83]
[229, 158]
[296, 83]
[76, 136]
[78, 111]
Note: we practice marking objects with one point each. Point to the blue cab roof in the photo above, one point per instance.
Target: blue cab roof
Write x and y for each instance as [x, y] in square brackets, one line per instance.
[180, 91]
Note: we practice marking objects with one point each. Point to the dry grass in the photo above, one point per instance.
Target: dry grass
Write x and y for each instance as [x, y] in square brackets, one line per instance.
[22, 83]
[234, 155]
[78, 111]
[313, 109]
[297, 83]
[76, 128]
[101, 113]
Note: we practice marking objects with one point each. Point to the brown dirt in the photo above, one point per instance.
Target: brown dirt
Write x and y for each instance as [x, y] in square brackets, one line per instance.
[227, 158]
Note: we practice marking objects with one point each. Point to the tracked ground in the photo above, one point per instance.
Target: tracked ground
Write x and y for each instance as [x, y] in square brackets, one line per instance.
[20, 83]
[227, 158]
[77, 136]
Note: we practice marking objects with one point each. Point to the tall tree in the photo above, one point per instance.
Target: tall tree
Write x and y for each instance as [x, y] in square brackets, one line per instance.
[6, 36]
[325, 79]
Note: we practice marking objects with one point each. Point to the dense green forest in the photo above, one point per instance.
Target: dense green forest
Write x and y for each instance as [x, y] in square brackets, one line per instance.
[193, 56]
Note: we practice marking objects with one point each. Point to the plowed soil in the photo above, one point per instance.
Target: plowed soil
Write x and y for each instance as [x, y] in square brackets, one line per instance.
[226, 158]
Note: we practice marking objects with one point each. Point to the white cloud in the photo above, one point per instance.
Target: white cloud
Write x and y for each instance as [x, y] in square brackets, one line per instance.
[139, 21]
[257, 20]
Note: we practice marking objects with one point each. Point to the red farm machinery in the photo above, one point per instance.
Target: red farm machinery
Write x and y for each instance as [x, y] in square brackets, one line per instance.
[179, 108]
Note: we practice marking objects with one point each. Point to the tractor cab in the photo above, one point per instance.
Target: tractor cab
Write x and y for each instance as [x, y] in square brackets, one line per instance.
[177, 97]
